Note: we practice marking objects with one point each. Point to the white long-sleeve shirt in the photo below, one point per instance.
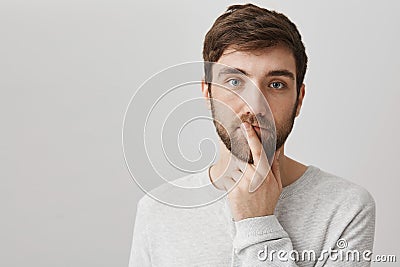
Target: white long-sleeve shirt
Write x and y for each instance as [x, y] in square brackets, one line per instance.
[315, 216]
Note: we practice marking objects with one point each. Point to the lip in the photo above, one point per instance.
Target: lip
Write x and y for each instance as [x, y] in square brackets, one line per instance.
[256, 127]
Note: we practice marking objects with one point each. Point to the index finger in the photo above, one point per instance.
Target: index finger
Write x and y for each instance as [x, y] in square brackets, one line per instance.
[253, 141]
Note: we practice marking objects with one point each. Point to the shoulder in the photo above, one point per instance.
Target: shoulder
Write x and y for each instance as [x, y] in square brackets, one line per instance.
[342, 189]
[165, 196]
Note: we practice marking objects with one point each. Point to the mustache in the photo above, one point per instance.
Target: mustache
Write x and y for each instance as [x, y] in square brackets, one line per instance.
[256, 120]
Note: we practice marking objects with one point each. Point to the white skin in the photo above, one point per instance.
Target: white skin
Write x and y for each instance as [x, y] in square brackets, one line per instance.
[255, 188]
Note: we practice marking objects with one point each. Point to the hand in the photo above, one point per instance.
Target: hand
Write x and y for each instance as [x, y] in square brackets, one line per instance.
[256, 187]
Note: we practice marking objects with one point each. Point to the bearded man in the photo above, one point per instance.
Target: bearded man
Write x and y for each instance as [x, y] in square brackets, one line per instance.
[277, 211]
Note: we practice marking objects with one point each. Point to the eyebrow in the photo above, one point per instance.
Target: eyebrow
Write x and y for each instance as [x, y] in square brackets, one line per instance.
[282, 72]
[228, 70]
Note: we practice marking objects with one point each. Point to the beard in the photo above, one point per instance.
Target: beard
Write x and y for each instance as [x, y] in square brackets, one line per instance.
[272, 136]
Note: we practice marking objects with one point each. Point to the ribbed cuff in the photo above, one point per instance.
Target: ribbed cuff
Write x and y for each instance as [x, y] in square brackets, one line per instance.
[256, 230]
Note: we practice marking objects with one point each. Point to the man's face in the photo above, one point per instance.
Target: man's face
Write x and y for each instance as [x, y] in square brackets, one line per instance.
[273, 75]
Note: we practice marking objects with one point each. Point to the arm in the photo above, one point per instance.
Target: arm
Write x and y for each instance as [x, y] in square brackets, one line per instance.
[258, 240]
[356, 240]
[140, 252]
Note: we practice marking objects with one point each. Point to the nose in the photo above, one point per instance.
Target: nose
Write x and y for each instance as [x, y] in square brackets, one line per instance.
[254, 101]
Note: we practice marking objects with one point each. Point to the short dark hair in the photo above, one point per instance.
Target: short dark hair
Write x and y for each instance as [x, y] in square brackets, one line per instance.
[248, 28]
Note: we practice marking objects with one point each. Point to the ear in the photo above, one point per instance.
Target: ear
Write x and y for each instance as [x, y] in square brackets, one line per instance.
[204, 91]
[301, 97]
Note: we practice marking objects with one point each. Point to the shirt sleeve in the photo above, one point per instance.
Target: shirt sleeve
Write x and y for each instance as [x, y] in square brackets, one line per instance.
[140, 249]
[255, 239]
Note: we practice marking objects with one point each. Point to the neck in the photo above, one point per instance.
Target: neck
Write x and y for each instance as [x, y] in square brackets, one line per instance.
[290, 170]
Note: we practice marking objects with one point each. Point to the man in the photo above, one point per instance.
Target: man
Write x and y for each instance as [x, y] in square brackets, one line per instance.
[278, 212]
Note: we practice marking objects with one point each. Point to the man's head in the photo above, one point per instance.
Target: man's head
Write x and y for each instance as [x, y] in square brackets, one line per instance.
[266, 48]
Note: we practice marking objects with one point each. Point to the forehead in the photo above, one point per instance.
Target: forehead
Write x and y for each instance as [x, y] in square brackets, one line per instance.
[260, 62]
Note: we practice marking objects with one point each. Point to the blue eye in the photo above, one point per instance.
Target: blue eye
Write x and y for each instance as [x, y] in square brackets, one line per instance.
[277, 85]
[234, 82]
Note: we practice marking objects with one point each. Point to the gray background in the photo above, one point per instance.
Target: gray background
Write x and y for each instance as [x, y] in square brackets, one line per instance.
[69, 68]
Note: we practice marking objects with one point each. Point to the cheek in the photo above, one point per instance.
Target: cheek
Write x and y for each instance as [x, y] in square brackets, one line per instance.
[228, 101]
[281, 103]
[282, 110]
